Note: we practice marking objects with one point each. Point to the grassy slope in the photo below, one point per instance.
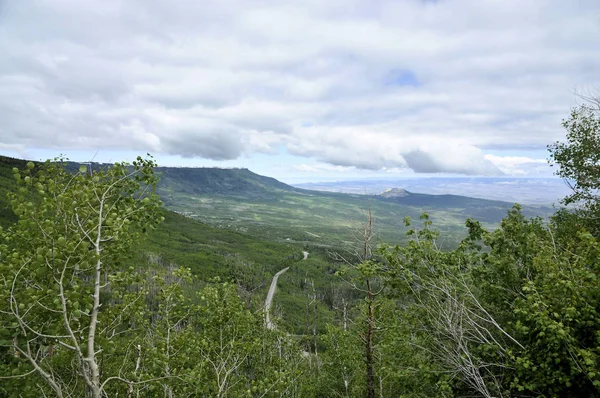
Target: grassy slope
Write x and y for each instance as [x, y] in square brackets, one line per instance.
[265, 207]
[219, 182]
[205, 249]
[251, 262]
[210, 251]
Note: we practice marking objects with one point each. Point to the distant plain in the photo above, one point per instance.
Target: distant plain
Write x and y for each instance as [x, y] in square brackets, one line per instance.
[538, 191]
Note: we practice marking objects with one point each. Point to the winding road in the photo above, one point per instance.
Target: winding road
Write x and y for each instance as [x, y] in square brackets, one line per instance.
[269, 300]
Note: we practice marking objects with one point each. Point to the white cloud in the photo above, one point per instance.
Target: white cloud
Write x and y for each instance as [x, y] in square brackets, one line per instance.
[432, 86]
[322, 167]
[519, 165]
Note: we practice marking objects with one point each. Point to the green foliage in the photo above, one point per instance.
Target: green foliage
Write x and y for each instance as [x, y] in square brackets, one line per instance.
[557, 315]
[213, 348]
[578, 161]
[509, 312]
[7, 185]
[78, 318]
[342, 362]
[210, 252]
[436, 291]
[73, 232]
[290, 302]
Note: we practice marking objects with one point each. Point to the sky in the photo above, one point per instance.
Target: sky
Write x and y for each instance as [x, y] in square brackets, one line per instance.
[299, 90]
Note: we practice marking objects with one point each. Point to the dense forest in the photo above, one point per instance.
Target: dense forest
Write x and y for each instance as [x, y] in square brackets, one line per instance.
[91, 307]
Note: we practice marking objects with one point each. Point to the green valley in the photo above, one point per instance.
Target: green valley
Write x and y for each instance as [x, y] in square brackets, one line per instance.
[132, 280]
[299, 199]
[236, 225]
[244, 201]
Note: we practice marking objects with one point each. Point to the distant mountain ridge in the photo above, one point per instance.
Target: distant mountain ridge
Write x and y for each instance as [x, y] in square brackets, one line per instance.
[245, 184]
[247, 202]
[242, 183]
[525, 190]
[234, 182]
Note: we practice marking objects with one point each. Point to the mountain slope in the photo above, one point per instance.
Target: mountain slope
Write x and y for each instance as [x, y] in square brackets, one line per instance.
[484, 210]
[217, 182]
[262, 206]
[212, 252]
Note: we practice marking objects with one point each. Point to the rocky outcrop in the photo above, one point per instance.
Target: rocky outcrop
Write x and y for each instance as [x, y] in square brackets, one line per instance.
[394, 193]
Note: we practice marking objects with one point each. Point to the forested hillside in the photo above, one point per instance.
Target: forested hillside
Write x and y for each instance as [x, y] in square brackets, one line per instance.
[264, 207]
[211, 252]
[105, 294]
[241, 183]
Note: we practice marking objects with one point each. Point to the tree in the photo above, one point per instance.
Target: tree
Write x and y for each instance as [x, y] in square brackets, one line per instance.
[58, 266]
[578, 161]
[452, 323]
[227, 351]
[341, 359]
[518, 318]
[364, 278]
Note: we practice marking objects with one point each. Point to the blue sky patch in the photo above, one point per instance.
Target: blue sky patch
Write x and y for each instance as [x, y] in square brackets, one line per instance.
[401, 78]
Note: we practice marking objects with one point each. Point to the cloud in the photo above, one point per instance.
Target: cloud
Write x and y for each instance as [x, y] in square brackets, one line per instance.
[519, 165]
[451, 159]
[217, 144]
[322, 167]
[431, 86]
[375, 148]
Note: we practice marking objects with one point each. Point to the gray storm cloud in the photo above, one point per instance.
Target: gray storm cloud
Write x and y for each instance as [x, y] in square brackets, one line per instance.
[422, 162]
[217, 145]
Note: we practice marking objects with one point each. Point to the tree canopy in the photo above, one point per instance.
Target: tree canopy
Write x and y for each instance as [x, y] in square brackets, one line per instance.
[578, 162]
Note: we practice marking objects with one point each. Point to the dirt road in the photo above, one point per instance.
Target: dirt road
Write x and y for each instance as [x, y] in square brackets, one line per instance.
[269, 299]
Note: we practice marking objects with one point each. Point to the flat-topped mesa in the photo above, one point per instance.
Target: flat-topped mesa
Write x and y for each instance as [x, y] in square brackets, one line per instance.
[394, 193]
